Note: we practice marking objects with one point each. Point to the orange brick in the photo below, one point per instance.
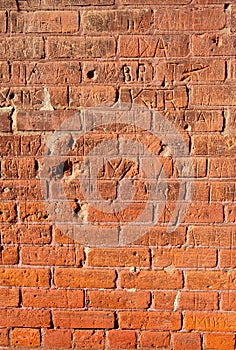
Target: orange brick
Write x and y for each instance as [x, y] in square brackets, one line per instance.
[57, 338]
[154, 340]
[7, 212]
[26, 337]
[164, 300]
[213, 44]
[212, 236]
[45, 298]
[219, 341]
[207, 301]
[119, 257]
[83, 319]
[150, 320]
[210, 321]
[210, 280]
[9, 297]
[206, 95]
[24, 277]
[151, 280]
[84, 278]
[4, 337]
[117, 299]
[89, 339]
[8, 255]
[222, 167]
[24, 318]
[187, 341]
[227, 258]
[231, 213]
[228, 301]
[119, 339]
[184, 257]
[23, 234]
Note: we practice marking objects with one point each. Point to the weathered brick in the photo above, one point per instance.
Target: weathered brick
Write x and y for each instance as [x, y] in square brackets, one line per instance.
[213, 236]
[21, 189]
[219, 341]
[22, 48]
[9, 255]
[83, 319]
[223, 191]
[9, 297]
[33, 212]
[187, 341]
[92, 97]
[231, 213]
[201, 301]
[164, 300]
[24, 277]
[213, 95]
[154, 340]
[57, 338]
[198, 166]
[228, 301]
[154, 46]
[44, 21]
[151, 280]
[222, 167]
[50, 4]
[122, 257]
[119, 339]
[5, 120]
[117, 299]
[4, 72]
[89, 339]
[84, 278]
[80, 47]
[178, 19]
[3, 22]
[4, 337]
[149, 320]
[26, 337]
[213, 44]
[23, 234]
[8, 212]
[116, 21]
[24, 318]
[214, 321]
[18, 168]
[10, 145]
[227, 258]
[210, 280]
[155, 2]
[233, 18]
[214, 145]
[68, 256]
[184, 257]
[157, 236]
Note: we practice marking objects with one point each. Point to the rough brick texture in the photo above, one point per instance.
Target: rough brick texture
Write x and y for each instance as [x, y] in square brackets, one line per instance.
[108, 240]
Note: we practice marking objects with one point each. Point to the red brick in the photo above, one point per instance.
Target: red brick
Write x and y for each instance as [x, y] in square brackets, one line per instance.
[57, 338]
[199, 167]
[117, 299]
[5, 119]
[9, 297]
[222, 167]
[84, 278]
[4, 72]
[22, 48]
[8, 255]
[212, 95]
[178, 19]
[213, 45]
[10, 145]
[233, 18]
[164, 300]
[3, 21]
[116, 21]
[118, 339]
[150, 320]
[49, 4]
[186, 341]
[20, 277]
[154, 46]
[95, 96]
[83, 319]
[154, 340]
[158, 236]
[89, 339]
[24, 318]
[223, 191]
[155, 2]
[213, 236]
[31, 145]
[210, 280]
[26, 337]
[210, 321]
[184, 257]
[214, 145]
[228, 301]
[119, 257]
[7, 212]
[33, 211]
[22, 168]
[4, 337]
[20, 190]
[231, 213]
[151, 280]
[44, 21]
[227, 258]
[201, 301]
[80, 47]
[49, 256]
[219, 341]
[23, 234]
[53, 298]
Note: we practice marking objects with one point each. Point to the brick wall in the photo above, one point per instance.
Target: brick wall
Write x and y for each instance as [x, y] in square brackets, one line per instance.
[173, 60]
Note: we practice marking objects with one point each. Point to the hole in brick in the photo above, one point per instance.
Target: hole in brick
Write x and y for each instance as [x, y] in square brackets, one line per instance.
[91, 74]
[11, 96]
[226, 6]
